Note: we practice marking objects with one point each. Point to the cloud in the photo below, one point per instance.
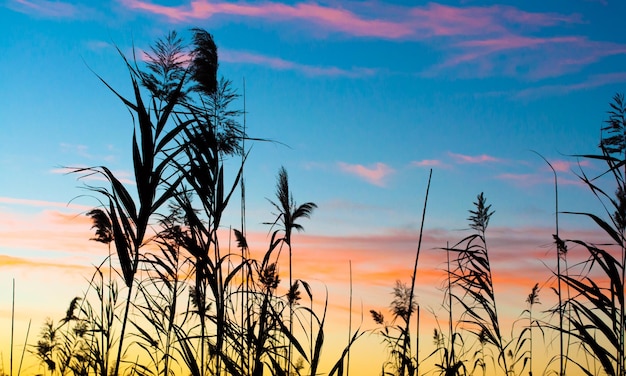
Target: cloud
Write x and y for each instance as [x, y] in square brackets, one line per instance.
[124, 177]
[528, 180]
[45, 8]
[45, 230]
[99, 45]
[375, 175]
[566, 166]
[80, 150]
[41, 203]
[483, 158]
[445, 20]
[477, 41]
[11, 262]
[519, 257]
[369, 20]
[516, 54]
[332, 19]
[281, 64]
[430, 163]
[590, 82]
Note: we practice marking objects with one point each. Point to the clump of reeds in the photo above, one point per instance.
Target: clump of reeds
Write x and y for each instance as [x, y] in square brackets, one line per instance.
[192, 305]
[472, 278]
[597, 311]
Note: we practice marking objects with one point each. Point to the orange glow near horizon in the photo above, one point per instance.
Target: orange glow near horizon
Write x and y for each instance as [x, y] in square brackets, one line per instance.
[60, 259]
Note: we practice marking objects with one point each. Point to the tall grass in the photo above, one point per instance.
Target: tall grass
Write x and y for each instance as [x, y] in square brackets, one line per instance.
[597, 307]
[191, 304]
[172, 291]
[472, 276]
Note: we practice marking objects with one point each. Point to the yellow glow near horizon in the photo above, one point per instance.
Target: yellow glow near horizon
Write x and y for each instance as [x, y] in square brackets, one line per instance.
[45, 284]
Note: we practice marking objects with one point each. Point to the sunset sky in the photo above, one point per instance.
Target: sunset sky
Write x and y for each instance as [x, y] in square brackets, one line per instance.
[363, 99]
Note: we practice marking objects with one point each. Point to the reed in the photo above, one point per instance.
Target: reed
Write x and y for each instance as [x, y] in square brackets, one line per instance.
[597, 307]
[193, 306]
[472, 276]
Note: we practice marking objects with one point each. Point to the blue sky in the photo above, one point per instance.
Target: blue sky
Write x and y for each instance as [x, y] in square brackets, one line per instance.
[367, 96]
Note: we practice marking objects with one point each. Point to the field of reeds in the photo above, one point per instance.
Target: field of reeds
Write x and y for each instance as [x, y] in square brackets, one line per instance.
[171, 299]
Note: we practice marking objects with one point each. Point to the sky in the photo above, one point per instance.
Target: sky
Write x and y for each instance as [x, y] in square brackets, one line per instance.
[363, 99]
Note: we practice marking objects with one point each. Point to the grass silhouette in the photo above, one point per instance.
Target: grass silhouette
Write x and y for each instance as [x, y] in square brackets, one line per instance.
[172, 299]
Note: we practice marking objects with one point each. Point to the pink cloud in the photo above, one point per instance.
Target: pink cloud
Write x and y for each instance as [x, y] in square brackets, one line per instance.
[54, 9]
[334, 19]
[483, 158]
[478, 40]
[520, 179]
[515, 42]
[566, 166]
[429, 163]
[390, 22]
[18, 229]
[41, 203]
[375, 175]
[519, 257]
[281, 64]
[532, 57]
[443, 20]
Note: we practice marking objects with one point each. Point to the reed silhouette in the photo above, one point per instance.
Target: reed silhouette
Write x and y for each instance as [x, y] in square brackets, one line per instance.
[172, 299]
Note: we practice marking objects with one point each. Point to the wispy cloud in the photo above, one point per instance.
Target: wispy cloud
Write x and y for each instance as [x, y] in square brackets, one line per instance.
[81, 150]
[376, 175]
[17, 262]
[49, 235]
[390, 22]
[590, 82]
[566, 166]
[475, 159]
[123, 176]
[99, 45]
[332, 19]
[282, 64]
[381, 258]
[477, 41]
[45, 8]
[41, 203]
[530, 179]
[84, 152]
[531, 57]
[444, 20]
[430, 163]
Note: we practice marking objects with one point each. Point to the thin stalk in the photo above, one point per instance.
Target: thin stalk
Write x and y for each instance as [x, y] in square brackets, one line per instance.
[109, 322]
[290, 314]
[621, 356]
[417, 343]
[12, 330]
[244, 298]
[349, 323]
[414, 276]
[19, 369]
[558, 267]
[450, 334]
[220, 310]
[123, 330]
[530, 323]
[620, 348]
[102, 302]
[495, 312]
